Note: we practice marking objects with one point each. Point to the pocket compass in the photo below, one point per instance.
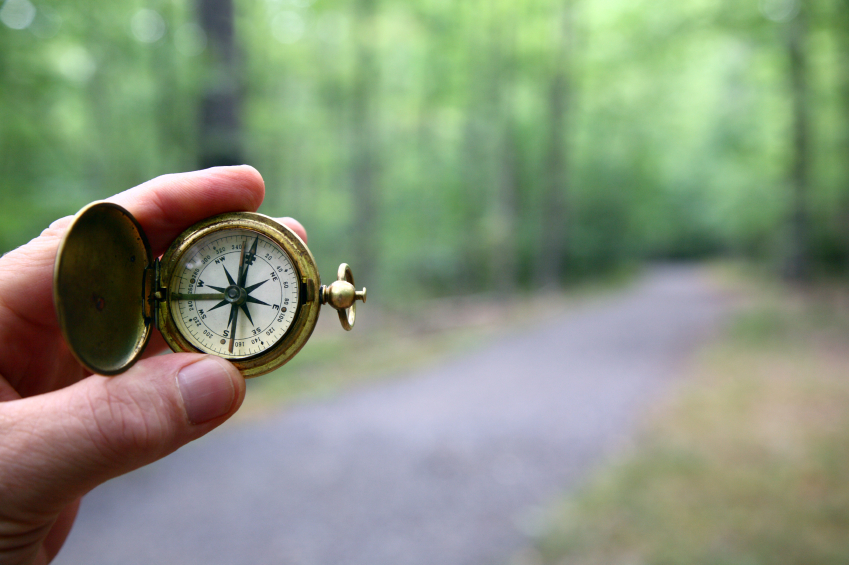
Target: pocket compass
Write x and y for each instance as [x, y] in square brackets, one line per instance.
[238, 285]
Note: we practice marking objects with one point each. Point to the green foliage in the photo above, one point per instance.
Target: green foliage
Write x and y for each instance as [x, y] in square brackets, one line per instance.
[675, 138]
[86, 111]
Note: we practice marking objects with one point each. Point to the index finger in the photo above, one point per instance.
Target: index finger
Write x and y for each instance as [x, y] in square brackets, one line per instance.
[164, 207]
[167, 205]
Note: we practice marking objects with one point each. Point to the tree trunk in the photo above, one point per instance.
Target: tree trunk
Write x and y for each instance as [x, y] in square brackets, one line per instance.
[553, 244]
[503, 223]
[505, 260]
[363, 141]
[220, 131]
[798, 267]
[842, 37]
[477, 177]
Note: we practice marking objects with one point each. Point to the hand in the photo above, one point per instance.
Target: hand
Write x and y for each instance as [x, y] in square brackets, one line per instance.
[64, 431]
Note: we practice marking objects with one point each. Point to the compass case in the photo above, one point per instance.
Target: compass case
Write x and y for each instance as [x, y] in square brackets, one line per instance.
[302, 260]
[98, 288]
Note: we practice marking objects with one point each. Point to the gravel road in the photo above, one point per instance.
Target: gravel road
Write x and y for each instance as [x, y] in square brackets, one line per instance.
[447, 466]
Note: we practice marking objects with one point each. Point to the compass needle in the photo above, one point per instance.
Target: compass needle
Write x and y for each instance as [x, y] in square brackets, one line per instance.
[189, 296]
[246, 261]
[242, 261]
[234, 314]
[230, 319]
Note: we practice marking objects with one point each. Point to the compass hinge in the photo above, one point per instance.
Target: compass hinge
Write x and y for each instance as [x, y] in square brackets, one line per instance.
[150, 290]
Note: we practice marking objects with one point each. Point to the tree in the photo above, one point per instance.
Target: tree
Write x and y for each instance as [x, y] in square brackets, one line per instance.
[364, 142]
[798, 264]
[219, 128]
[552, 247]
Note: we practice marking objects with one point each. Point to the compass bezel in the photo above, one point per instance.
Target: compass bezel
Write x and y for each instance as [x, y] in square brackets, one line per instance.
[305, 318]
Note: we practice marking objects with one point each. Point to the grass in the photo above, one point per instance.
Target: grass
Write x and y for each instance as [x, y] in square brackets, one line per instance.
[746, 463]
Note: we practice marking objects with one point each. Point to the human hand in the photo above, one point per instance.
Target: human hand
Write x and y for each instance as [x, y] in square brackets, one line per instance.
[64, 431]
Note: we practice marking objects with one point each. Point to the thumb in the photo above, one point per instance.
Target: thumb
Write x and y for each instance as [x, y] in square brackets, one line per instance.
[58, 446]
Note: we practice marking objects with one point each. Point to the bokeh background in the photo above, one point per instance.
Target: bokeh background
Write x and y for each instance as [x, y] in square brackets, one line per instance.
[484, 165]
[450, 147]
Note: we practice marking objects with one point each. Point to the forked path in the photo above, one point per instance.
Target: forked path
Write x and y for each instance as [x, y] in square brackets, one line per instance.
[447, 466]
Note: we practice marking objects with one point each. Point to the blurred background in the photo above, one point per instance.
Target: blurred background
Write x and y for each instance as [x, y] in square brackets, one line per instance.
[450, 147]
[495, 171]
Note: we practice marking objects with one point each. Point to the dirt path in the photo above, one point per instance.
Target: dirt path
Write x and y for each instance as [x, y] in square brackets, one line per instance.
[447, 466]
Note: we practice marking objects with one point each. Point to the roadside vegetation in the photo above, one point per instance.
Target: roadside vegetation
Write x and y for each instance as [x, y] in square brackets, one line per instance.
[747, 462]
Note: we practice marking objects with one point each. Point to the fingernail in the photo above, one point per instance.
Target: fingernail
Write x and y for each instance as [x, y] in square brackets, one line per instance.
[207, 390]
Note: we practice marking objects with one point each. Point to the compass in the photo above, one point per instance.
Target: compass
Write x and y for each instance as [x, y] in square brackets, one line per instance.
[239, 285]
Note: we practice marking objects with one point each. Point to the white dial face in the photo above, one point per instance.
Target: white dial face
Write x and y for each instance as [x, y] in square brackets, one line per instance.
[234, 293]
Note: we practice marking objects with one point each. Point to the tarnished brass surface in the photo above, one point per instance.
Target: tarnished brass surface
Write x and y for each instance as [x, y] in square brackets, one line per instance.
[343, 296]
[103, 289]
[98, 281]
[306, 317]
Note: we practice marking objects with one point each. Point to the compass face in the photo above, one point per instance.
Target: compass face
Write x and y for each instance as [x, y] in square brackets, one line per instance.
[234, 293]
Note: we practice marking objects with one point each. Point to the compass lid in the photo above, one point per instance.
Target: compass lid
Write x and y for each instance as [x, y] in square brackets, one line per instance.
[98, 288]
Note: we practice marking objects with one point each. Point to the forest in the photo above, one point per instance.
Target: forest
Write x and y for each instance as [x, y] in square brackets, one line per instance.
[447, 148]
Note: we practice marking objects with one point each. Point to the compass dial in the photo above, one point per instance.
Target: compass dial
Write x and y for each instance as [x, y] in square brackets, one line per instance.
[234, 293]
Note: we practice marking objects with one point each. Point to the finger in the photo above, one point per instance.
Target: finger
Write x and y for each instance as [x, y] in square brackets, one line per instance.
[59, 532]
[7, 391]
[164, 207]
[290, 223]
[295, 226]
[58, 446]
[167, 205]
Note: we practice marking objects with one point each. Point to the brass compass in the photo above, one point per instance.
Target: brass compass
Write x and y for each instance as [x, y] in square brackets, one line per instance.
[238, 285]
